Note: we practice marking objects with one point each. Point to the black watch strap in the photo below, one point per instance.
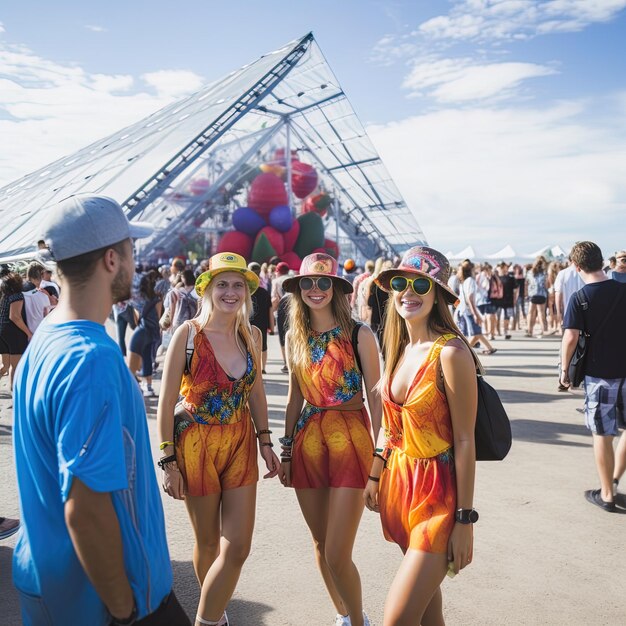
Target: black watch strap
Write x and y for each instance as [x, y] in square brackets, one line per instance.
[466, 516]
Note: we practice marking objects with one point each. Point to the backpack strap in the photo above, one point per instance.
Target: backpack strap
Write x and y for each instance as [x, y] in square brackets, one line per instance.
[189, 348]
[355, 344]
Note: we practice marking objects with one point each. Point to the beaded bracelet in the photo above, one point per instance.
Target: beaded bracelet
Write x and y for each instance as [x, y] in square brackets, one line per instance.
[164, 444]
[286, 441]
[264, 432]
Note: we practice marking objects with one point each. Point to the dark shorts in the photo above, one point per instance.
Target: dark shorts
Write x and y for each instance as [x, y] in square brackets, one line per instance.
[487, 309]
[538, 299]
[263, 338]
[506, 311]
[13, 340]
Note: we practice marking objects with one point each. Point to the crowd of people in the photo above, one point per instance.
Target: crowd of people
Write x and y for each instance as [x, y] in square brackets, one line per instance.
[380, 413]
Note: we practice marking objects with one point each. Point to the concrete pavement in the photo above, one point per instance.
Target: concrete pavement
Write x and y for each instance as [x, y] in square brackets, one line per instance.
[543, 555]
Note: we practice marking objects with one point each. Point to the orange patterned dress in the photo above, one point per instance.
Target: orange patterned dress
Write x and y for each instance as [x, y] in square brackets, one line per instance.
[216, 444]
[417, 494]
[332, 446]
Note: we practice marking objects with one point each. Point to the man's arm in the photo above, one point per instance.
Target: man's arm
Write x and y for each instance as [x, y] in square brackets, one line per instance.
[95, 532]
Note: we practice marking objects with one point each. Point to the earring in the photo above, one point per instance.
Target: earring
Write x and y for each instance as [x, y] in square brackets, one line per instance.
[436, 301]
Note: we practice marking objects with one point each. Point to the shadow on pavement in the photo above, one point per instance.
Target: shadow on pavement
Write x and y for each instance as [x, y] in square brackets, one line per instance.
[519, 396]
[240, 612]
[6, 430]
[536, 431]
[9, 600]
[509, 372]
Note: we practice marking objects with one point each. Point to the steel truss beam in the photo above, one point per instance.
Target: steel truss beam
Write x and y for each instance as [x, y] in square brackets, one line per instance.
[162, 179]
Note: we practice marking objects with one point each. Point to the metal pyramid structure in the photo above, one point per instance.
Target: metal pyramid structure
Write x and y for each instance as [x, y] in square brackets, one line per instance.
[186, 168]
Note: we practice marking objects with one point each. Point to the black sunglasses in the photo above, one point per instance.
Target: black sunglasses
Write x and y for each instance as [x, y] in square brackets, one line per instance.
[323, 283]
[421, 286]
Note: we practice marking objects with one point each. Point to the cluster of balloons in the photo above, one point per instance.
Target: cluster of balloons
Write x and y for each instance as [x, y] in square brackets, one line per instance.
[266, 227]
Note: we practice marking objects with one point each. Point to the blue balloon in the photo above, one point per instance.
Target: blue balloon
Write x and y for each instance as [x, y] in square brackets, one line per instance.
[248, 221]
[281, 218]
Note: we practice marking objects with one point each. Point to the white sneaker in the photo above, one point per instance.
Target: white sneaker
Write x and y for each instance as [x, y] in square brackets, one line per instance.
[148, 391]
[342, 620]
[366, 620]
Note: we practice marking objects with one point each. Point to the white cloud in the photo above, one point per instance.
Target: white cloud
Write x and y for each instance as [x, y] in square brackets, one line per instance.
[524, 176]
[96, 29]
[49, 110]
[173, 83]
[484, 20]
[1, 27]
[390, 48]
[463, 80]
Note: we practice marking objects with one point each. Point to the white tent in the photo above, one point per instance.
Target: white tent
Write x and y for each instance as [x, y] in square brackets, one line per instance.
[550, 252]
[507, 253]
[467, 253]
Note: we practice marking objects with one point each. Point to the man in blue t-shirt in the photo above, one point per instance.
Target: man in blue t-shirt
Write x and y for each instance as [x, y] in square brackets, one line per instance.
[599, 309]
[92, 549]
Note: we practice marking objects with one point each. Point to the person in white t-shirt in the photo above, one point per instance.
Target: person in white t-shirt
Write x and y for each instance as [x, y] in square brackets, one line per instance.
[468, 310]
[566, 284]
[37, 302]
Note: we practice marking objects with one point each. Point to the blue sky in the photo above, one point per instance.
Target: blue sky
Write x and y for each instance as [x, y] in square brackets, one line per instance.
[500, 120]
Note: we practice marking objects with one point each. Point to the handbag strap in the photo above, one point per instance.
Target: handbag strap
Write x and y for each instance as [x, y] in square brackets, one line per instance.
[189, 348]
[355, 344]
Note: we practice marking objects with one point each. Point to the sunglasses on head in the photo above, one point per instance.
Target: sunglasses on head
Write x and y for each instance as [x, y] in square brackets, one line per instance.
[421, 285]
[323, 283]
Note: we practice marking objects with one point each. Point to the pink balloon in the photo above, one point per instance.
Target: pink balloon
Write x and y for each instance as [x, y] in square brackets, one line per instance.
[199, 186]
[303, 179]
[266, 192]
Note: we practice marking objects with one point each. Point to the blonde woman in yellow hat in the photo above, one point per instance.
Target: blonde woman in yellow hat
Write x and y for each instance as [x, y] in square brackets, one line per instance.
[327, 448]
[422, 477]
[209, 440]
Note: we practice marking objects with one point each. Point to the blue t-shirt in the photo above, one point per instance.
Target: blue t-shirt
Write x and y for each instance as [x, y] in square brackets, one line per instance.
[79, 413]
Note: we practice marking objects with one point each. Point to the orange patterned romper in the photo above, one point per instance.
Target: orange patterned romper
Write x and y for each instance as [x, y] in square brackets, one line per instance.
[417, 494]
[216, 446]
[332, 446]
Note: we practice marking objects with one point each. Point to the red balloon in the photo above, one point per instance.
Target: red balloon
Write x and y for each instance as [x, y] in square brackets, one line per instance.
[266, 192]
[303, 179]
[199, 186]
[331, 248]
[291, 236]
[292, 260]
[275, 238]
[234, 241]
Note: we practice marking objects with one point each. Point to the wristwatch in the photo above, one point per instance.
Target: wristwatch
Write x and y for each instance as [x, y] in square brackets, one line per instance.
[467, 516]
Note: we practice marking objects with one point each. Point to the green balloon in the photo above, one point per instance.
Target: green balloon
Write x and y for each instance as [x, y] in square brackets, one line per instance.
[263, 250]
[311, 234]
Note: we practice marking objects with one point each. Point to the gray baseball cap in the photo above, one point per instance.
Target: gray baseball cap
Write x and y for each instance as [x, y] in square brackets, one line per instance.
[84, 223]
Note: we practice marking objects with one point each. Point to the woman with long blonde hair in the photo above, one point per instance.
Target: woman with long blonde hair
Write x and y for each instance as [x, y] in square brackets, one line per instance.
[209, 440]
[327, 448]
[422, 477]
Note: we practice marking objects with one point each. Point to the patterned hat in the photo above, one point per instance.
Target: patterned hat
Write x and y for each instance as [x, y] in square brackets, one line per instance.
[318, 264]
[423, 261]
[226, 262]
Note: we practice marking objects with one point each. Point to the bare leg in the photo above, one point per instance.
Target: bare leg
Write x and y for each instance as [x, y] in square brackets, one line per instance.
[413, 589]
[14, 359]
[315, 504]
[264, 359]
[5, 365]
[134, 362]
[238, 508]
[344, 515]
[542, 318]
[483, 340]
[620, 457]
[532, 316]
[204, 513]
[433, 615]
[605, 462]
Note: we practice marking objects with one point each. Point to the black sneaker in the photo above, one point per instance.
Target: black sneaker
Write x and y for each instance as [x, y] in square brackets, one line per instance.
[593, 496]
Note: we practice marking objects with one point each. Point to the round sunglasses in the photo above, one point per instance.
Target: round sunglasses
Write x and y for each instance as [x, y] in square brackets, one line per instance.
[323, 283]
[421, 286]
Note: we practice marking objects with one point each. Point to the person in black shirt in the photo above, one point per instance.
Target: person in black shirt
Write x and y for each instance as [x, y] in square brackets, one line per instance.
[261, 316]
[599, 309]
[506, 304]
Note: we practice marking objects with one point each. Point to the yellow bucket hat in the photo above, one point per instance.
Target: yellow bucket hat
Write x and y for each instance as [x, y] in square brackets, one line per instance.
[226, 262]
